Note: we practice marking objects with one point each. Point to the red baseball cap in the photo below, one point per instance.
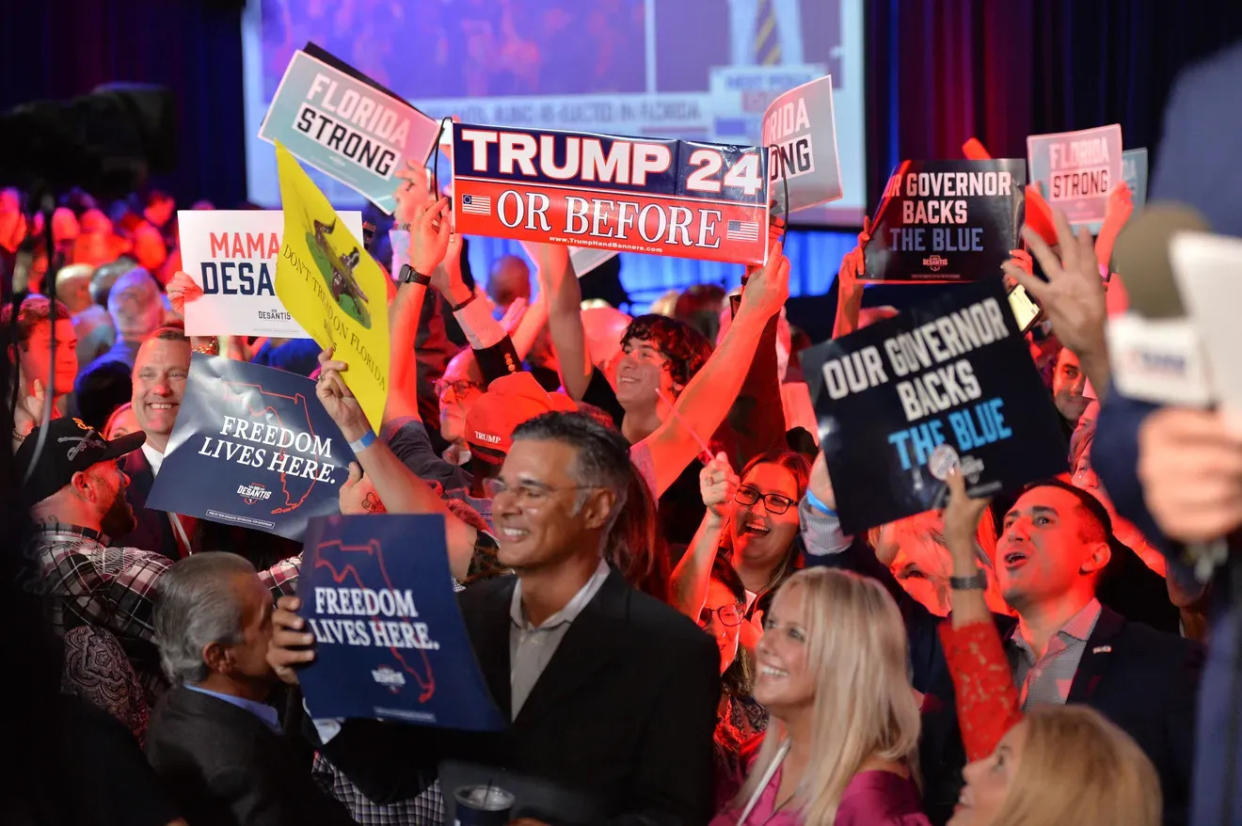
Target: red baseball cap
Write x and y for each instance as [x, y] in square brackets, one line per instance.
[509, 401]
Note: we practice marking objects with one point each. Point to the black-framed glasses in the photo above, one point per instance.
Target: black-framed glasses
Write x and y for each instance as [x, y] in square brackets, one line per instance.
[774, 503]
[460, 386]
[729, 615]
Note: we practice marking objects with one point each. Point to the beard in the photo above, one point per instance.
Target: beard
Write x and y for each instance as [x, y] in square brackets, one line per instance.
[119, 519]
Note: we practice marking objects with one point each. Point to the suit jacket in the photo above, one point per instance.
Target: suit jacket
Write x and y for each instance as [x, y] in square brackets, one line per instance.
[225, 767]
[624, 712]
[154, 531]
[1144, 680]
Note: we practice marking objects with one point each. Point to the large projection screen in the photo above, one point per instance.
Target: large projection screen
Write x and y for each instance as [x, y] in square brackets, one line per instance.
[697, 69]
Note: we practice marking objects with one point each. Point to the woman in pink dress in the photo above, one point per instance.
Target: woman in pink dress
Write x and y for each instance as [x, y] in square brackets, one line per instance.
[844, 728]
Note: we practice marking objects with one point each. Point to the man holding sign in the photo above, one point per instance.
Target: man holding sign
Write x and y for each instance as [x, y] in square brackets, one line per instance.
[566, 647]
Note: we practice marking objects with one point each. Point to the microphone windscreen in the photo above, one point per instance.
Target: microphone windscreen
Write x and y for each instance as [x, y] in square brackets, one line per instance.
[1141, 258]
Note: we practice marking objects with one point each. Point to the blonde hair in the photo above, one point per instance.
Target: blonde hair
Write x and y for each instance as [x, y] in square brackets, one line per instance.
[864, 705]
[1077, 767]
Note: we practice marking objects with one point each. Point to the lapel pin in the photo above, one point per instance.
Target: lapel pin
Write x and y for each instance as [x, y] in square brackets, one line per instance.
[1102, 649]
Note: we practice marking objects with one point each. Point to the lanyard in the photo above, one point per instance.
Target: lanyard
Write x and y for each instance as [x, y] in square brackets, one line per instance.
[768, 774]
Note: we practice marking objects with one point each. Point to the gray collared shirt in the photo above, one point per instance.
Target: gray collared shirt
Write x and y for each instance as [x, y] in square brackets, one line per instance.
[531, 648]
[1047, 680]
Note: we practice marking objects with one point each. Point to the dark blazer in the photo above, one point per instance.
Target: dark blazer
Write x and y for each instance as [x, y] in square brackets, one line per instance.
[1142, 679]
[624, 712]
[226, 768]
[154, 531]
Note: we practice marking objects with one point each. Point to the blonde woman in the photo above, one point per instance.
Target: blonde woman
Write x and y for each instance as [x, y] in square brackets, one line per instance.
[1061, 764]
[840, 746]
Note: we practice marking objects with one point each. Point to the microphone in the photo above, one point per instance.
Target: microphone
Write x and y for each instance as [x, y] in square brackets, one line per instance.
[1159, 352]
[1155, 350]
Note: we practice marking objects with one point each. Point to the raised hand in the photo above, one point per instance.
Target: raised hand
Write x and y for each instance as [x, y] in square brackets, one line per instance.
[765, 293]
[337, 399]
[717, 484]
[513, 315]
[961, 518]
[357, 494]
[413, 192]
[430, 228]
[1190, 464]
[182, 289]
[287, 649]
[1073, 296]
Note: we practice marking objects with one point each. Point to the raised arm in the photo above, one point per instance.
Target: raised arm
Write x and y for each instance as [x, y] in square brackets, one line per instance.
[401, 490]
[1120, 205]
[987, 701]
[688, 583]
[702, 406]
[534, 319]
[849, 287]
[429, 239]
[564, 296]
[849, 294]
[1073, 296]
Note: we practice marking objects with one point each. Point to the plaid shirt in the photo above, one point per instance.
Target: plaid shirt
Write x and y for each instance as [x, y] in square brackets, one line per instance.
[86, 582]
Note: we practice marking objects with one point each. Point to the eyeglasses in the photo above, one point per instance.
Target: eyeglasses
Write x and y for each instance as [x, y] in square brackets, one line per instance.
[729, 615]
[774, 503]
[460, 386]
[527, 494]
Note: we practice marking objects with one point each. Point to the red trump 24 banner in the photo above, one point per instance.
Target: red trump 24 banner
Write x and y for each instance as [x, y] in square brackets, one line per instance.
[660, 197]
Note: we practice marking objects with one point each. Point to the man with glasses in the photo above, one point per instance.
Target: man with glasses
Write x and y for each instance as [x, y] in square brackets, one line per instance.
[568, 649]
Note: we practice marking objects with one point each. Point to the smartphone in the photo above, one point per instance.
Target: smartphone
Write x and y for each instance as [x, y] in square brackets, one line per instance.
[1025, 311]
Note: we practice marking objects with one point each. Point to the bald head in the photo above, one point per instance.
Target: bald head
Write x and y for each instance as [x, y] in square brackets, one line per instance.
[509, 281]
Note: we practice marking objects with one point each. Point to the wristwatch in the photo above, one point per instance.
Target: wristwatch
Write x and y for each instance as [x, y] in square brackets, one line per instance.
[409, 275]
[977, 580]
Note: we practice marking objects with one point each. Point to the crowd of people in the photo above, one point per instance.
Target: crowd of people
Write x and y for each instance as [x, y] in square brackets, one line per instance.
[649, 561]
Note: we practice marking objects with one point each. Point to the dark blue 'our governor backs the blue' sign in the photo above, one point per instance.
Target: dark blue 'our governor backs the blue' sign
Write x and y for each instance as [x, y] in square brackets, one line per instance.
[949, 383]
[946, 221]
[252, 447]
[390, 641]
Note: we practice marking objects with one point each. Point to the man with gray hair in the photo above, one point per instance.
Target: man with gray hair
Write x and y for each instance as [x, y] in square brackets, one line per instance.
[214, 740]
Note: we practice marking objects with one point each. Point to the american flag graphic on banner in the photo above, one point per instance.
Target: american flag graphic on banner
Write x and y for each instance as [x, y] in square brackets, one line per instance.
[742, 231]
[476, 204]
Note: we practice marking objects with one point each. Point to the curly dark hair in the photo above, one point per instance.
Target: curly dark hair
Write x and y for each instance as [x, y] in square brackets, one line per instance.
[686, 349]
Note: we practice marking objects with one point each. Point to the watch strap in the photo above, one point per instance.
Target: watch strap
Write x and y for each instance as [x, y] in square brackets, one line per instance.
[976, 581]
[409, 275]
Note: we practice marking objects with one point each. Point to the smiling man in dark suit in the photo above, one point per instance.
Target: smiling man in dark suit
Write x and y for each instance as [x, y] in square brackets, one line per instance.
[612, 694]
[161, 368]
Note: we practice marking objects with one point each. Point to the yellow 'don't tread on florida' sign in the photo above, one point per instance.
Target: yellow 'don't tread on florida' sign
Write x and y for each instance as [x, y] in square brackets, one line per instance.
[332, 286]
